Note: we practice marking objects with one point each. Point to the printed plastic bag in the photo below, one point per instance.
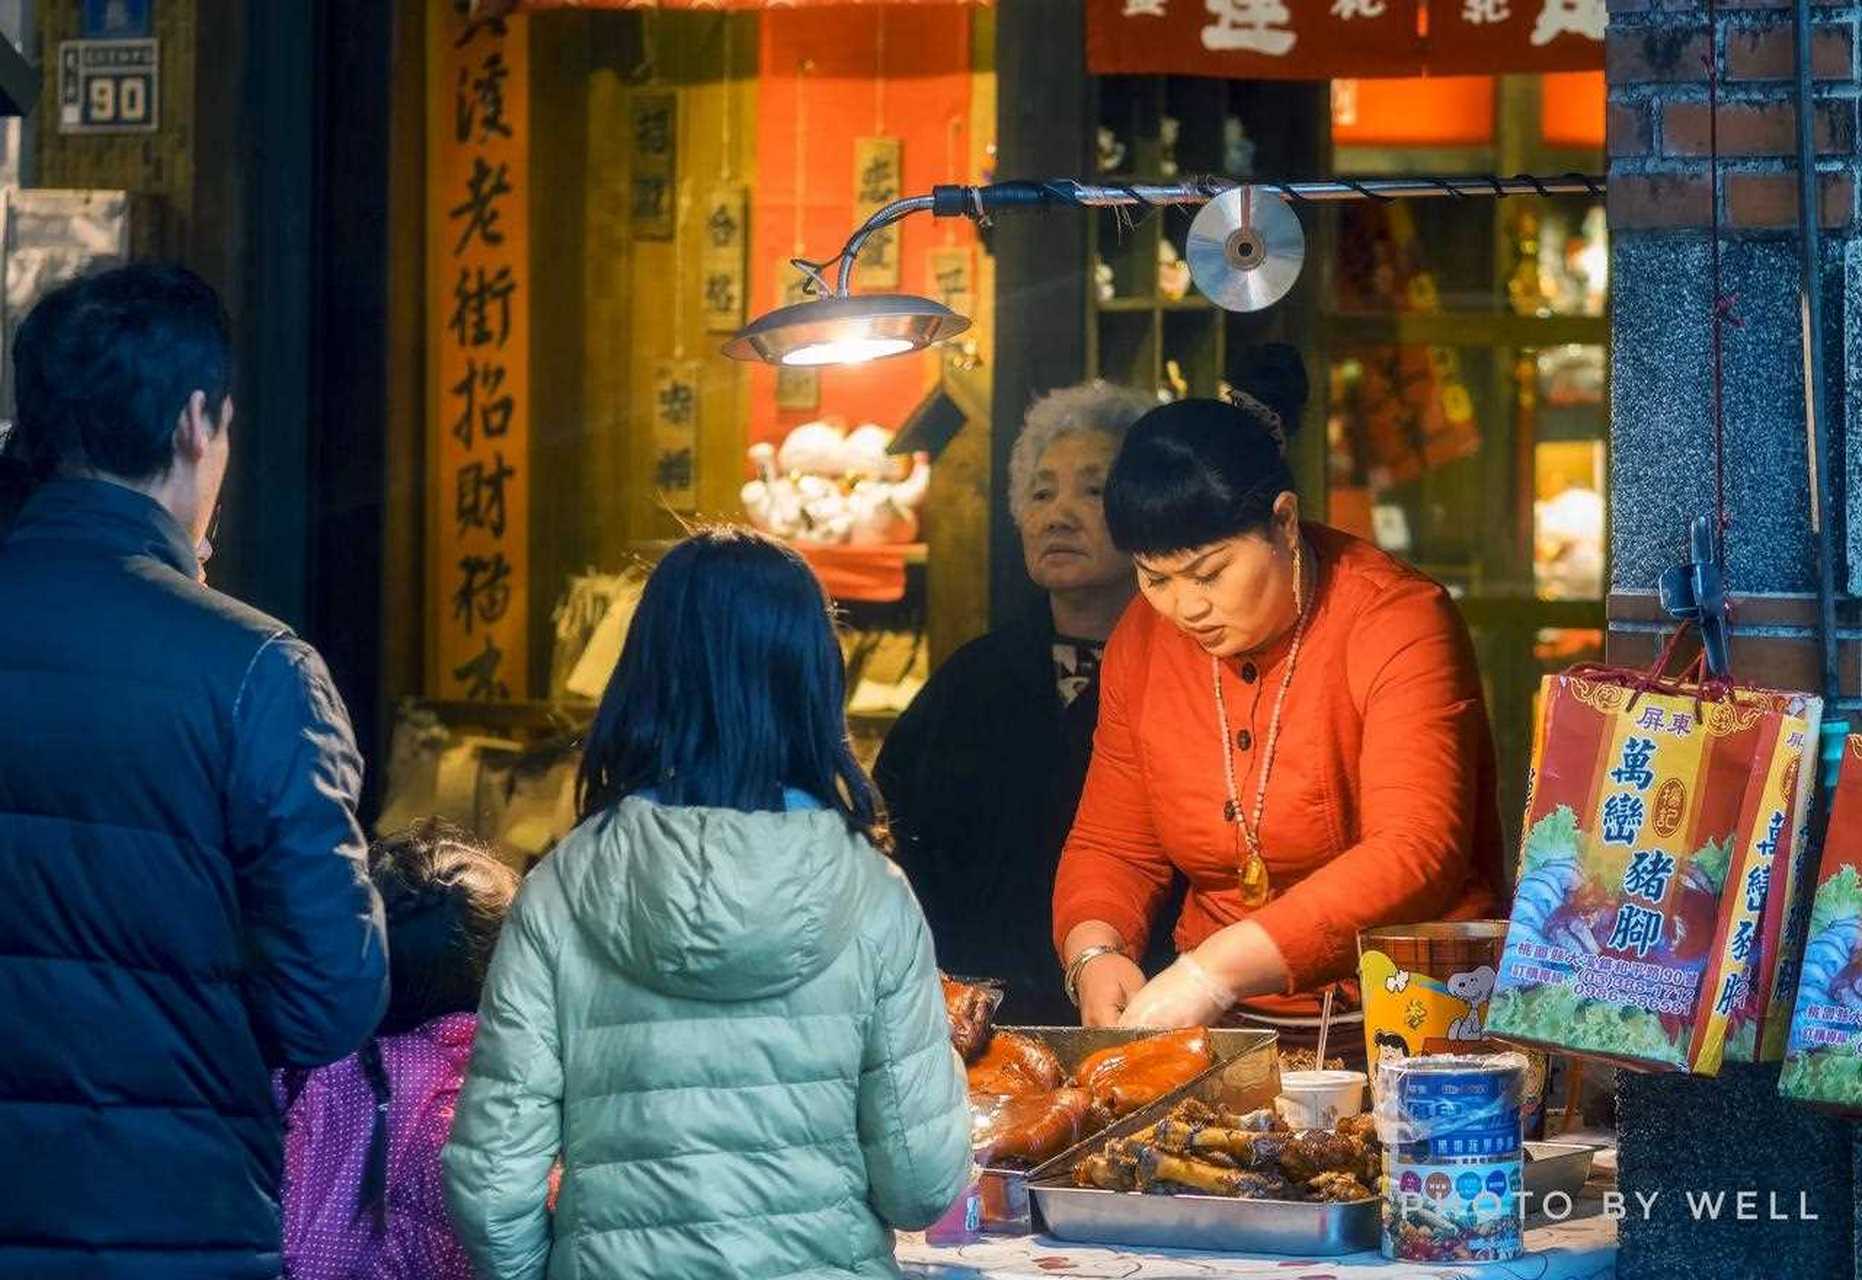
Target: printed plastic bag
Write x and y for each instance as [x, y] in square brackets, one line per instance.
[1646, 866]
[1823, 1059]
[1764, 927]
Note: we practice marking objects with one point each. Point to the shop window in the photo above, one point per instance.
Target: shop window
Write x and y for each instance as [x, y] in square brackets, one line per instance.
[1466, 364]
[612, 194]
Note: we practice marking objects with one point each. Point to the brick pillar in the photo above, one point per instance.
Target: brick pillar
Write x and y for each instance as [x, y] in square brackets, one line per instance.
[1733, 1133]
[1661, 204]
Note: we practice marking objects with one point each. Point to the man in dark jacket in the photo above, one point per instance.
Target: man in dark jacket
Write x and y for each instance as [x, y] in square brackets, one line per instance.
[183, 897]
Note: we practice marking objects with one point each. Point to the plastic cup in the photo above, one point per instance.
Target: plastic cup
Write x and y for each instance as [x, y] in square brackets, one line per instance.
[1319, 1099]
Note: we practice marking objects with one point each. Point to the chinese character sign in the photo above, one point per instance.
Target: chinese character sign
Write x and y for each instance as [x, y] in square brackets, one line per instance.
[1759, 949]
[653, 192]
[877, 174]
[478, 304]
[1823, 1060]
[797, 389]
[953, 278]
[675, 433]
[1342, 39]
[725, 266]
[1537, 34]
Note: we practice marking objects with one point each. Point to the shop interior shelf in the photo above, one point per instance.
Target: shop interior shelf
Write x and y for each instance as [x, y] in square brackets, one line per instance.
[1192, 302]
[1463, 329]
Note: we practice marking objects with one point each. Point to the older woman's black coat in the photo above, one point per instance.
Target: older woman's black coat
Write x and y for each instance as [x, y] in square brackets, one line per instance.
[183, 900]
[981, 777]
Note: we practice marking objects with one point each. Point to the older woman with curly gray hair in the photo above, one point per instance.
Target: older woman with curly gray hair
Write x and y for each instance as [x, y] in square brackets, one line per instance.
[982, 774]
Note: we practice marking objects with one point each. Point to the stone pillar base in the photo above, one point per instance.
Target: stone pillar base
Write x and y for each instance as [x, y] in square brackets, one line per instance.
[1690, 1142]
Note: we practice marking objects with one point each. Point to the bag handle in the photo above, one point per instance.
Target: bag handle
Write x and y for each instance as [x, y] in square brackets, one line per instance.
[1692, 681]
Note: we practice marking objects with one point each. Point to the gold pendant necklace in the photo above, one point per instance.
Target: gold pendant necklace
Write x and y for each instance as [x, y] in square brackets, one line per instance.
[1253, 880]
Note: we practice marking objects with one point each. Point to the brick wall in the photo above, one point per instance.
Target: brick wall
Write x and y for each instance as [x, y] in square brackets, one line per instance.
[1662, 203]
[1657, 60]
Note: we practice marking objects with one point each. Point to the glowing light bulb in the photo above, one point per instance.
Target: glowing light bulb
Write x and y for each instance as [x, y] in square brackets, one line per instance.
[846, 351]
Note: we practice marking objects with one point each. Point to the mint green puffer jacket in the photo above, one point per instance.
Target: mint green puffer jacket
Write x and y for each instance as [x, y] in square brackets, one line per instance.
[730, 1027]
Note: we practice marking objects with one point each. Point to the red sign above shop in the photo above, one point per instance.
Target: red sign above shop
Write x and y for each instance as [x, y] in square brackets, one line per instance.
[492, 5]
[1341, 39]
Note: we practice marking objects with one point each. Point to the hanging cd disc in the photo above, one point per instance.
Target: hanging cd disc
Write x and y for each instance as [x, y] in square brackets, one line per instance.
[1245, 249]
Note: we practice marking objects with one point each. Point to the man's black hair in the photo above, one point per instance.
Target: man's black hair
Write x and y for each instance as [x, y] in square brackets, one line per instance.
[104, 365]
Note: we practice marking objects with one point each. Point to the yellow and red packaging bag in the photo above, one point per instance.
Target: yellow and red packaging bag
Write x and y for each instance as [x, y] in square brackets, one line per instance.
[1643, 806]
[1757, 948]
[1823, 1058]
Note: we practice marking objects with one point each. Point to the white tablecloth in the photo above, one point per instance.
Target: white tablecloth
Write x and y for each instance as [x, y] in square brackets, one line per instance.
[1580, 1248]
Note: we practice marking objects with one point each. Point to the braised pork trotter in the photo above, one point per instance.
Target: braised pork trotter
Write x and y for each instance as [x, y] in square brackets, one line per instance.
[970, 1009]
[1026, 1130]
[1014, 1065]
[1129, 1076]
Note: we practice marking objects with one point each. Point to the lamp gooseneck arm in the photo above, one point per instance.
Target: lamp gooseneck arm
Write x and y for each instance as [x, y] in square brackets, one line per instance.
[882, 218]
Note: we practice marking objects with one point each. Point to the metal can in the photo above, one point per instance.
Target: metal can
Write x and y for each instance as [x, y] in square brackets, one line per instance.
[1453, 1164]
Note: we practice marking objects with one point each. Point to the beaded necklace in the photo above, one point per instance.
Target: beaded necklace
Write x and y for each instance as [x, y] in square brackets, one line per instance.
[1255, 889]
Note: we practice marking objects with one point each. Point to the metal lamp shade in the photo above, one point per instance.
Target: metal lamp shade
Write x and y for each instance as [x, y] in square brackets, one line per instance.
[845, 329]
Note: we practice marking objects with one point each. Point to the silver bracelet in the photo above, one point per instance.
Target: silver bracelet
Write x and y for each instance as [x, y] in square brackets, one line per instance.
[1072, 981]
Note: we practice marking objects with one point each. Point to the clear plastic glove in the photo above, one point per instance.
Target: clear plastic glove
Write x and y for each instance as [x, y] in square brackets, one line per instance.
[1184, 995]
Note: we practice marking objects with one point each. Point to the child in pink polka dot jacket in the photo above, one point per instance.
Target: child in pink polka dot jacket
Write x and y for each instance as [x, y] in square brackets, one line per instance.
[362, 1183]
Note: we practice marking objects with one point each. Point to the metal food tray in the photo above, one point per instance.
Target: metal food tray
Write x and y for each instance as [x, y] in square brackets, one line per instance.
[1089, 1215]
[1557, 1166]
[1244, 1075]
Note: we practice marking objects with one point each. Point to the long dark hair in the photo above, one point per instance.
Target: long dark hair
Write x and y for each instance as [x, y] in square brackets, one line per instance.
[730, 688]
[18, 478]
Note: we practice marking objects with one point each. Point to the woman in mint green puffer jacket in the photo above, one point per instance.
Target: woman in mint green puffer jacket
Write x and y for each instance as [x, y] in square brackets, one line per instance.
[716, 1001]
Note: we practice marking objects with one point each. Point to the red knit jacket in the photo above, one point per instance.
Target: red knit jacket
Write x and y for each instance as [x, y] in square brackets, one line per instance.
[1381, 805]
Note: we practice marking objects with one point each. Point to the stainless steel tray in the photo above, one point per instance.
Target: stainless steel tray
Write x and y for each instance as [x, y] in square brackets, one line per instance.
[1244, 1075]
[1088, 1215]
[1557, 1166]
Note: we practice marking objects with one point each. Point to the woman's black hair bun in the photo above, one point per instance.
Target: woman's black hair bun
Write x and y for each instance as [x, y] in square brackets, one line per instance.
[1275, 374]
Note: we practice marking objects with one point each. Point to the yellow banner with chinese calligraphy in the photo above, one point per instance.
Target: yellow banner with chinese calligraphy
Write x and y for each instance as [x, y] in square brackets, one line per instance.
[797, 389]
[953, 277]
[655, 197]
[478, 362]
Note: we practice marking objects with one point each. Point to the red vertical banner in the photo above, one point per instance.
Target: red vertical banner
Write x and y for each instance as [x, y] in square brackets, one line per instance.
[478, 362]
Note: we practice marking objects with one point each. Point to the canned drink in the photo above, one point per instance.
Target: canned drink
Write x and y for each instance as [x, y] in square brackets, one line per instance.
[1453, 1162]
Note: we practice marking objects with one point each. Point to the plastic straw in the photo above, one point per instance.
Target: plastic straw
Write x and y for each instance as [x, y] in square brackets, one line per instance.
[1325, 1027]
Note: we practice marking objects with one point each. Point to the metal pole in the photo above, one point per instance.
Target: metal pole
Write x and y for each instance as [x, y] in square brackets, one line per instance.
[1201, 191]
[1809, 215]
[981, 202]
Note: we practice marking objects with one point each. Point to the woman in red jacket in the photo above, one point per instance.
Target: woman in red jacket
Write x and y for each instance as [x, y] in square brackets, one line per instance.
[1291, 718]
